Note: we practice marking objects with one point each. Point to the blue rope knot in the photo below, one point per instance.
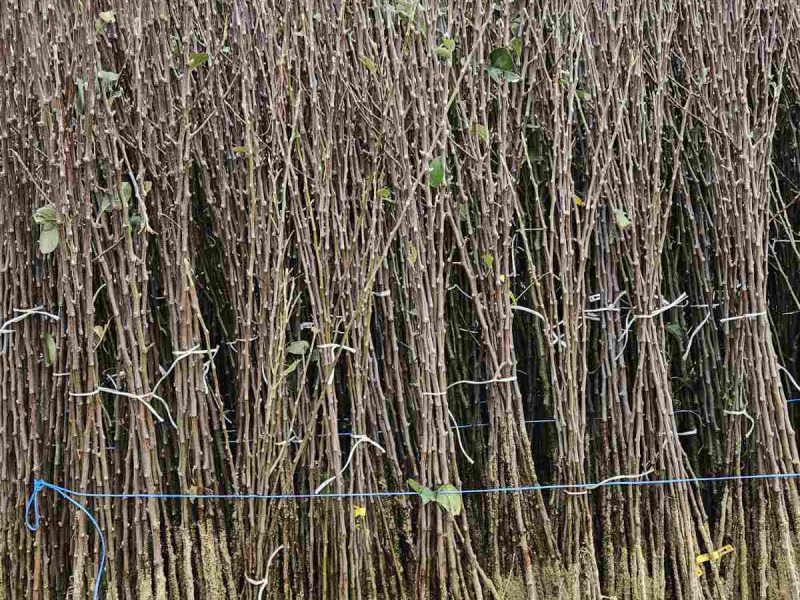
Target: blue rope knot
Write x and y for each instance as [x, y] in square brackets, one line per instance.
[32, 510]
[33, 503]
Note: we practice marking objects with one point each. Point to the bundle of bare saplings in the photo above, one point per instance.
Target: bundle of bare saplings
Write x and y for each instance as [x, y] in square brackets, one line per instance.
[387, 299]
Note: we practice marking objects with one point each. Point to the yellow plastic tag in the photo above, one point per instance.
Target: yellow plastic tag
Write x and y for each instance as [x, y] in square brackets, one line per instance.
[713, 555]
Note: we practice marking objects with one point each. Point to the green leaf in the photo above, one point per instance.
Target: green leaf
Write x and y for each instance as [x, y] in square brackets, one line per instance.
[135, 221]
[80, 86]
[516, 46]
[436, 172]
[46, 216]
[49, 349]
[500, 58]
[445, 49]
[105, 204]
[413, 254]
[197, 59]
[298, 348]
[488, 260]
[384, 193]
[425, 493]
[109, 16]
[369, 64]
[675, 330]
[449, 498]
[500, 76]
[481, 131]
[463, 212]
[125, 192]
[406, 8]
[502, 66]
[291, 368]
[621, 218]
[240, 149]
[48, 240]
[107, 78]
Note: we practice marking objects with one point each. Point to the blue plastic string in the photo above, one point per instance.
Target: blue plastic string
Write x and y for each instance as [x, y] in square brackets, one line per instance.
[32, 516]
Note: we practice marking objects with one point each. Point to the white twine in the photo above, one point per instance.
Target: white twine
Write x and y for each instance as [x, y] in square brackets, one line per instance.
[743, 413]
[694, 333]
[264, 582]
[24, 313]
[458, 437]
[629, 321]
[747, 316]
[789, 376]
[140, 397]
[359, 439]
[470, 382]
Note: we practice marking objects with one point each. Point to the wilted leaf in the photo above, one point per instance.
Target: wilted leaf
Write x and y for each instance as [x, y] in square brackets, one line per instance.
[463, 212]
[49, 349]
[413, 254]
[240, 149]
[579, 201]
[425, 493]
[449, 498]
[146, 187]
[48, 240]
[481, 131]
[100, 332]
[621, 218]
[369, 64]
[436, 172]
[299, 348]
[197, 59]
[46, 216]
